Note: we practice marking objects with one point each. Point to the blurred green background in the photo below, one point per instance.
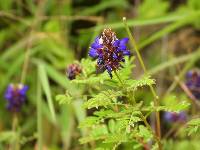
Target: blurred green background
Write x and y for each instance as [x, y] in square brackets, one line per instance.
[50, 34]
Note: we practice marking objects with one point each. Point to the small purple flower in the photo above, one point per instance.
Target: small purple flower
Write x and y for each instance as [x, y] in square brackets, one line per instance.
[175, 117]
[15, 96]
[73, 70]
[109, 51]
[193, 82]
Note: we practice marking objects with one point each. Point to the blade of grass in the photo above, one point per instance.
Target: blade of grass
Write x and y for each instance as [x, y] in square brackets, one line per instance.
[170, 28]
[59, 78]
[144, 22]
[15, 48]
[172, 62]
[45, 86]
[188, 65]
[80, 113]
[66, 121]
[14, 68]
[102, 6]
[39, 114]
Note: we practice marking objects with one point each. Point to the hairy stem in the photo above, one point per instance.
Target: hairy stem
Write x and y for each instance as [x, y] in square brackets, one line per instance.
[130, 95]
[156, 102]
[122, 83]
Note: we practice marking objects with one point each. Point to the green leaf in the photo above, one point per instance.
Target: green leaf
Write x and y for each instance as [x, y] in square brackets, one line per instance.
[88, 66]
[7, 136]
[144, 81]
[154, 10]
[178, 107]
[91, 80]
[64, 98]
[173, 104]
[89, 122]
[103, 5]
[193, 126]
[97, 133]
[104, 99]
[45, 85]
[145, 133]
[115, 138]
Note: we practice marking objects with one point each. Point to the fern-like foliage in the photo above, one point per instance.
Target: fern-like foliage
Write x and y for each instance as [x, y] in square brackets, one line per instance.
[115, 120]
[104, 99]
[64, 98]
[193, 126]
[116, 117]
[144, 81]
[174, 107]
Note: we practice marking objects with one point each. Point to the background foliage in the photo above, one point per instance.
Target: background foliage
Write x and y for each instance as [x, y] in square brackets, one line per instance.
[47, 35]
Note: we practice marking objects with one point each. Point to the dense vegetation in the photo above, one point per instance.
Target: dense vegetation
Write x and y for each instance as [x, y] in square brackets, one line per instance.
[99, 74]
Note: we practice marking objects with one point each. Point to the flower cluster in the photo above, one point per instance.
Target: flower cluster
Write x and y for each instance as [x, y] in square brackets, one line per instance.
[15, 96]
[193, 82]
[109, 51]
[175, 117]
[73, 70]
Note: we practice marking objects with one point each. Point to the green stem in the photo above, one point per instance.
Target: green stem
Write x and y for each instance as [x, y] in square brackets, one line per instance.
[39, 116]
[150, 129]
[122, 83]
[15, 145]
[130, 97]
[156, 102]
[35, 24]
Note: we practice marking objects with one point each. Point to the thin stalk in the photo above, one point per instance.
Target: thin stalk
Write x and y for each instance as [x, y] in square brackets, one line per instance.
[138, 54]
[155, 136]
[35, 24]
[131, 97]
[39, 116]
[156, 102]
[122, 83]
[26, 60]
[15, 145]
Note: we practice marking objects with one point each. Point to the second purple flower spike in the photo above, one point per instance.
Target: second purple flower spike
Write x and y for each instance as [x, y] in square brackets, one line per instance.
[175, 117]
[109, 51]
[193, 82]
[15, 96]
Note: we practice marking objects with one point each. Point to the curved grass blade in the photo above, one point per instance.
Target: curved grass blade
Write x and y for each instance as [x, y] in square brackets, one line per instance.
[45, 86]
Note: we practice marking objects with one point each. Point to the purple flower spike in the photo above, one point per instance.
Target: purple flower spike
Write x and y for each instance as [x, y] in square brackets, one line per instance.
[109, 51]
[193, 82]
[175, 117]
[15, 96]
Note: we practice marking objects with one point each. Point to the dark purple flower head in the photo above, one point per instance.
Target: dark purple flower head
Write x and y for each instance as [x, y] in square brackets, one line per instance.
[73, 70]
[193, 82]
[175, 117]
[15, 96]
[109, 51]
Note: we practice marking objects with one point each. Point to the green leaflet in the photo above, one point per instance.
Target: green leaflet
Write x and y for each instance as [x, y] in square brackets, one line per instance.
[104, 99]
[46, 87]
[144, 81]
[193, 126]
[63, 99]
[144, 133]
